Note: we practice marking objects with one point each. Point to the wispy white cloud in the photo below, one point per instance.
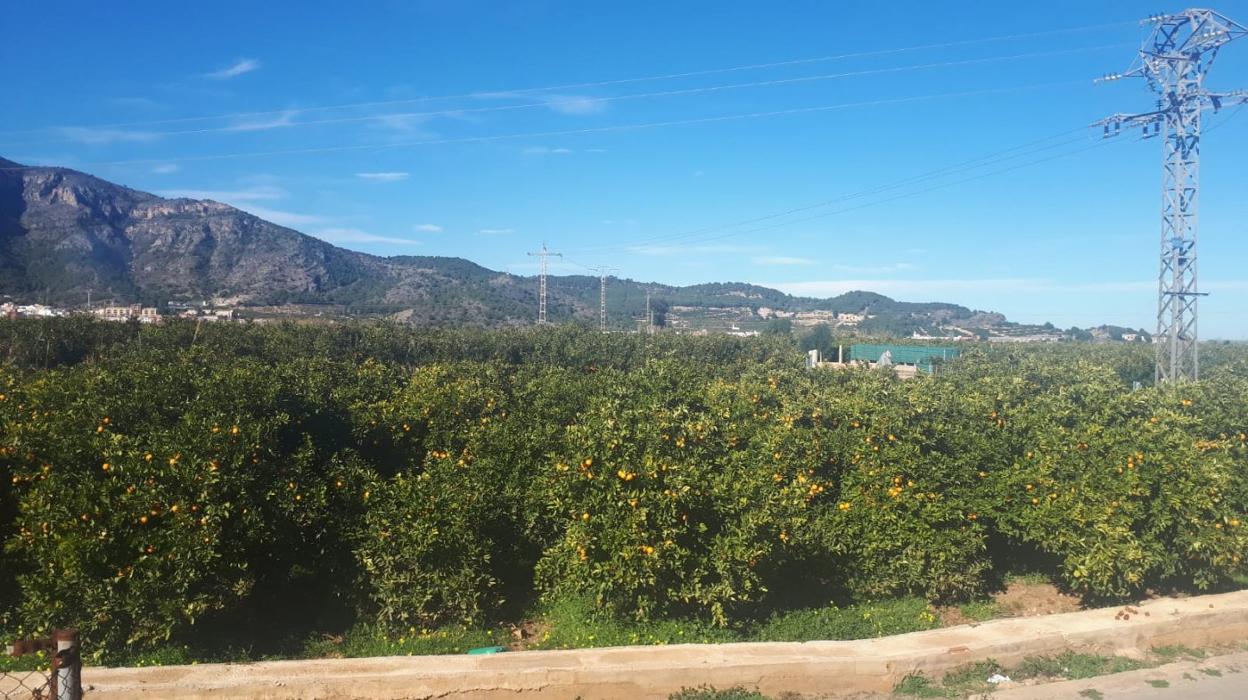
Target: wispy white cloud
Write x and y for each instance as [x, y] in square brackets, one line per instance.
[575, 104]
[563, 104]
[496, 231]
[239, 67]
[875, 269]
[595, 150]
[355, 235]
[933, 288]
[383, 177]
[893, 287]
[407, 125]
[782, 260]
[103, 137]
[258, 193]
[246, 198]
[692, 249]
[1218, 286]
[427, 228]
[555, 266]
[63, 160]
[546, 151]
[278, 121]
[283, 218]
[165, 168]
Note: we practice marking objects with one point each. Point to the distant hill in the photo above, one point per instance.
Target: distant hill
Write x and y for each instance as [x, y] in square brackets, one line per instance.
[64, 233]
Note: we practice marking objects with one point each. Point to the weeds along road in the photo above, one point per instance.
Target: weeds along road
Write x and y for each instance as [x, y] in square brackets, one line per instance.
[1215, 678]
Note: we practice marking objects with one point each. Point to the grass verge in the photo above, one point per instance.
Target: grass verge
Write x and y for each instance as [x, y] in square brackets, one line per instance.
[973, 678]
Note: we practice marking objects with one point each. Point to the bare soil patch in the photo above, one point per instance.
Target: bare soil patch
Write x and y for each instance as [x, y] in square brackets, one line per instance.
[526, 634]
[1021, 598]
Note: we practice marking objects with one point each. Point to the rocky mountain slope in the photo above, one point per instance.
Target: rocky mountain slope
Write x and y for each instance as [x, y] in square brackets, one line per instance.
[64, 233]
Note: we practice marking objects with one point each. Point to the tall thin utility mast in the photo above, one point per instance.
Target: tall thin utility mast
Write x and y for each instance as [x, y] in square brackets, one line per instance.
[649, 315]
[603, 272]
[541, 295]
[1175, 60]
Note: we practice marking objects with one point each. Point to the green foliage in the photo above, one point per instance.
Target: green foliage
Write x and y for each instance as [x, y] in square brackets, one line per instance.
[778, 326]
[1211, 672]
[971, 680]
[862, 621]
[575, 622]
[1177, 652]
[280, 482]
[964, 680]
[426, 545]
[819, 338]
[155, 495]
[1074, 666]
[367, 640]
[980, 610]
[709, 693]
[38, 661]
[918, 686]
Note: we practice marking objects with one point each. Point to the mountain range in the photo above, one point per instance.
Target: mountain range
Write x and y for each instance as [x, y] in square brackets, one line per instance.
[64, 234]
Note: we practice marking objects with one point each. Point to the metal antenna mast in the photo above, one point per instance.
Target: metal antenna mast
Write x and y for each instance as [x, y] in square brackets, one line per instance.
[1174, 60]
[602, 296]
[649, 315]
[541, 296]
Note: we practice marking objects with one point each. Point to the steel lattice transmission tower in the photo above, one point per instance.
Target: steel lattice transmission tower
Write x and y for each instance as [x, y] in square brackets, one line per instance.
[1175, 60]
[649, 315]
[541, 295]
[602, 296]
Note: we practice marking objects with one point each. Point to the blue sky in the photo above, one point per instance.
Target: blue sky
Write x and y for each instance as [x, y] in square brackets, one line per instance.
[419, 128]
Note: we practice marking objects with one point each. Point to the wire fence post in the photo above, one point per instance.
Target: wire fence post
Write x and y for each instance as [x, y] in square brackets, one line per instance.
[67, 666]
[61, 681]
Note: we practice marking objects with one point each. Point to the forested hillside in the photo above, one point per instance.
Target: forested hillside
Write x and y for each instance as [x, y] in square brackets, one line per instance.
[65, 234]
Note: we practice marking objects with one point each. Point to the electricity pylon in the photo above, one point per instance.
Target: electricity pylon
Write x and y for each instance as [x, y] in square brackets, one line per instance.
[1175, 60]
[602, 296]
[649, 315]
[541, 295]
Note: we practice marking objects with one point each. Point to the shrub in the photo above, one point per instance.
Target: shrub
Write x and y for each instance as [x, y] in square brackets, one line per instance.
[154, 494]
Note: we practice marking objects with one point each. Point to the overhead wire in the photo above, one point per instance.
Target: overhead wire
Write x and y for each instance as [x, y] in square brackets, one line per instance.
[991, 158]
[913, 193]
[1107, 142]
[904, 195]
[381, 147]
[1224, 120]
[602, 83]
[244, 128]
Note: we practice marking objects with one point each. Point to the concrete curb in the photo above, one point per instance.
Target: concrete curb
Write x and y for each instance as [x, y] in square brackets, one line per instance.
[632, 673]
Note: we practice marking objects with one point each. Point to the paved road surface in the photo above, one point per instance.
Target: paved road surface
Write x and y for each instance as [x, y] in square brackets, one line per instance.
[1232, 687]
[1216, 678]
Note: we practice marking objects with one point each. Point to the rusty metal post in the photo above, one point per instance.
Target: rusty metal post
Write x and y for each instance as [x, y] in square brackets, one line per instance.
[66, 666]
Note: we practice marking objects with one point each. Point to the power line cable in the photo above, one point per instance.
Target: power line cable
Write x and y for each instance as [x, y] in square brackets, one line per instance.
[1026, 149]
[908, 194]
[381, 147]
[1224, 120]
[599, 83]
[983, 160]
[244, 128]
[904, 195]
